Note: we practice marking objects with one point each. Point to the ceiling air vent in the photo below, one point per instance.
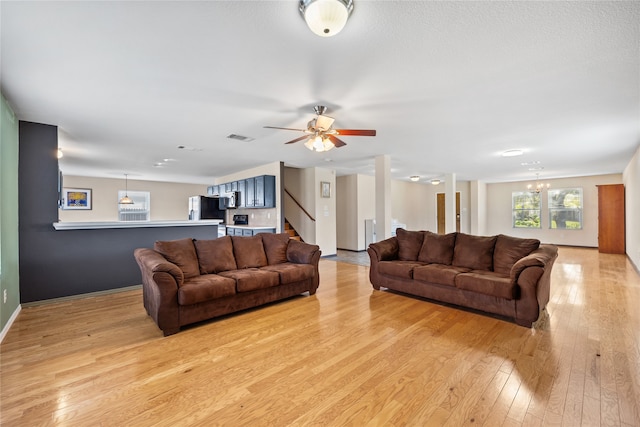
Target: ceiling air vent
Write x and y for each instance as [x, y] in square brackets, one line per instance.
[240, 137]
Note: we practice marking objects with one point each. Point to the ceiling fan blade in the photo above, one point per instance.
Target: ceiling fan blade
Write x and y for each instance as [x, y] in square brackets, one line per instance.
[336, 142]
[297, 139]
[275, 127]
[356, 132]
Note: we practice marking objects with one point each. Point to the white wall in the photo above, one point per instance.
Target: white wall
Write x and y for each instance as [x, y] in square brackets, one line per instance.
[478, 208]
[169, 201]
[355, 203]
[499, 212]
[631, 180]
[414, 204]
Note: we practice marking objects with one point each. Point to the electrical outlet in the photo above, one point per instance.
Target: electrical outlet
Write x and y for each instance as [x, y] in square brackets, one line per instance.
[4, 296]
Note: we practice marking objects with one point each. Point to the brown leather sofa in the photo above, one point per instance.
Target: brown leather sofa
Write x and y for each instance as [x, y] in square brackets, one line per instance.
[503, 275]
[186, 281]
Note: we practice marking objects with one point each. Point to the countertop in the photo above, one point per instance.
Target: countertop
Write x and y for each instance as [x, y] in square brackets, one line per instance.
[251, 227]
[131, 224]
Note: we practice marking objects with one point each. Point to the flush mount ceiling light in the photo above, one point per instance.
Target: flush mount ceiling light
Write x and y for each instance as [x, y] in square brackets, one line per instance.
[126, 200]
[326, 18]
[512, 153]
[414, 178]
[435, 182]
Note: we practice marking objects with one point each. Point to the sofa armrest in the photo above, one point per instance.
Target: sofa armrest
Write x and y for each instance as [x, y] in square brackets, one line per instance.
[151, 261]
[533, 276]
[303, 253]
[384, 250]
[541, 257]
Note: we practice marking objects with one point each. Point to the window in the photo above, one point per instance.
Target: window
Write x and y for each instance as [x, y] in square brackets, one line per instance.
[140, 210]
[565, 208]
[526, 209]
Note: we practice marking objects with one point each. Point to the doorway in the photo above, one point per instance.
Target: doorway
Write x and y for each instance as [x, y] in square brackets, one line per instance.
[440, 209]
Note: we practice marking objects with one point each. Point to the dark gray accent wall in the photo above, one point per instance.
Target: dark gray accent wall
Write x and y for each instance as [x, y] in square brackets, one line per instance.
[62, 263]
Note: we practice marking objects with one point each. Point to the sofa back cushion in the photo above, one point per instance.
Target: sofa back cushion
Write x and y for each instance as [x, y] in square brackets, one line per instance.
[215, 255]
[474, 252]
[275, 247]
[182, 253]
[437, 248]
[409, 244]
[249, 251]
[509, 250]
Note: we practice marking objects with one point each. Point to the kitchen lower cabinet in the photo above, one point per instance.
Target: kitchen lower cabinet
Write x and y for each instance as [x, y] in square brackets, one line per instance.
[248, 231]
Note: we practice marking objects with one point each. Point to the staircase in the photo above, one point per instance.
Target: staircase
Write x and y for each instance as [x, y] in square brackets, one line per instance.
[292, 232]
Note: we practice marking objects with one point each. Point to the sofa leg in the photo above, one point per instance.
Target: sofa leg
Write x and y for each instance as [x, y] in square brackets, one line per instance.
[171, 331]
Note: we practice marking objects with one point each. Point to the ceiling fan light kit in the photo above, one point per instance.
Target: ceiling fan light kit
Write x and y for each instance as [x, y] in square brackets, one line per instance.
[320, 135]
[326, 18]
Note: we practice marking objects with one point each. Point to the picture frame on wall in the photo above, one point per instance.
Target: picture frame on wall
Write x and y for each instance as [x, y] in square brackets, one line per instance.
[325, 189]
[76, 199]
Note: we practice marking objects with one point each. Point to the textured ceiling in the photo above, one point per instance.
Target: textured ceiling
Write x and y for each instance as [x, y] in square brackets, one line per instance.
[447, 85]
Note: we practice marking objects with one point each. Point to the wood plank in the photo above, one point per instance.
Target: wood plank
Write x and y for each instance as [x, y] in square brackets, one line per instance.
[348, 355]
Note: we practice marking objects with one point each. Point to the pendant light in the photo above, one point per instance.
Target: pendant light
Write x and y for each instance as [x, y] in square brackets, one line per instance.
[126, 200]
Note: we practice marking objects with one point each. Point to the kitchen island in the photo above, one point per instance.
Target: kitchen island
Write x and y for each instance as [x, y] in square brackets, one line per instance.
[89, 257]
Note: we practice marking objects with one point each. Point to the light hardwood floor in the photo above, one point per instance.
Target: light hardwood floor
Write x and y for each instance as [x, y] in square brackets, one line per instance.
[347, 356]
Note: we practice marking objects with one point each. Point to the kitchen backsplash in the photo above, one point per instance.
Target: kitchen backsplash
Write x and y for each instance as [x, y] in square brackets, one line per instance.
[257, 217]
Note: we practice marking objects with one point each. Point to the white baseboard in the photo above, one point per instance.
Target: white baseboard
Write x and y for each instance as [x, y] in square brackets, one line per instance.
[6, 328]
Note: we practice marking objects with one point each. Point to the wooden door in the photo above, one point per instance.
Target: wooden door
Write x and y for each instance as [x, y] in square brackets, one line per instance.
[611, 219]
[440, 208]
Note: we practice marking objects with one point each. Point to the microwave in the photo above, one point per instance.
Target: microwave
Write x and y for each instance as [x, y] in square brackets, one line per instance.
[231, 200]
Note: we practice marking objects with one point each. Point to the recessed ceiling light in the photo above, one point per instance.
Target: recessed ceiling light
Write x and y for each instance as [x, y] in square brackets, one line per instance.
[240, 137]
[512, 153]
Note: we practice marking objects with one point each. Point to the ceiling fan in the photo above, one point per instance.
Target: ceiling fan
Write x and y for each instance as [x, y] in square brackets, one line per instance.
[320, 135]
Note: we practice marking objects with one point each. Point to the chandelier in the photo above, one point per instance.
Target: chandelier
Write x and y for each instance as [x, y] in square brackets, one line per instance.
[539, 186]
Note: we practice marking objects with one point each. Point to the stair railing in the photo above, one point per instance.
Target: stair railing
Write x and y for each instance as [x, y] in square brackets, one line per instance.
[299, 205]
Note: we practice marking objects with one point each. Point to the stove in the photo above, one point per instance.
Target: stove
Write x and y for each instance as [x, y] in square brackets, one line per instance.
[241, 220]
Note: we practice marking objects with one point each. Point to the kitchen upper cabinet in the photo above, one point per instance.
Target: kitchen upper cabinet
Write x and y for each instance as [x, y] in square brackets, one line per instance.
[256, 192]
[249, 193]
[260, 192]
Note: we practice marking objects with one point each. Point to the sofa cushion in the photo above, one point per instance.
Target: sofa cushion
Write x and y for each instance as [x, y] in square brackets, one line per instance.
[249, 251]
[437, 248]
[215, 255]
[291, 273]
[400, 269]
[409, 244]
[474, 252]
[182, 253]
[438, 273]
[205, 288]
[251, 279]
[509, 250]
[487, 283]
[275, 247]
